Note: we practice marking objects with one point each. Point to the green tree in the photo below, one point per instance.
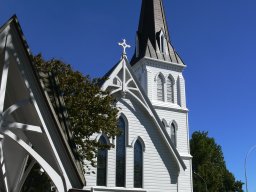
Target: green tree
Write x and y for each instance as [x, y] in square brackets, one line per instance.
[209, 166]
[90, 109]
[230, 183]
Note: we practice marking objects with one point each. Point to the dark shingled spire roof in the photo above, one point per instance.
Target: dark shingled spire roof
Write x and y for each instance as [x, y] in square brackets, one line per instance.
[152, 22]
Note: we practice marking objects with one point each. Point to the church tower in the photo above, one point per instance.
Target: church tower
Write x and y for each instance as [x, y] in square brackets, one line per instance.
[152, 152]
[159, 69]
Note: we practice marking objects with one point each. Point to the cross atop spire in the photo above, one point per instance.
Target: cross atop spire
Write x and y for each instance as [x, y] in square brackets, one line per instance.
[124, 45]
[153, 38]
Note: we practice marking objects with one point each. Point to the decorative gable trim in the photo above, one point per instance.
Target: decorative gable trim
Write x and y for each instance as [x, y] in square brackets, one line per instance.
[29, 125]
[122, 80]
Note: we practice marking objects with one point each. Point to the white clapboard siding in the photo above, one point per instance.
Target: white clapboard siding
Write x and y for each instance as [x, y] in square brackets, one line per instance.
[185, 178]
[159, 165]
[182, 132]
[160, 170]
[171, 109]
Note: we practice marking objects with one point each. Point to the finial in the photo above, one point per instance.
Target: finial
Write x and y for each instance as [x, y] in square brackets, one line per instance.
[124, 45]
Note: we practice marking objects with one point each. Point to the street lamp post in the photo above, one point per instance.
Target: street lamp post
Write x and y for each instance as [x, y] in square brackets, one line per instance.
[245, 161]
[206, 189]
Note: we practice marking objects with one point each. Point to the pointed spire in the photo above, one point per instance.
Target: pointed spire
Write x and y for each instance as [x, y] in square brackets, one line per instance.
[153, 36]
[152, 18]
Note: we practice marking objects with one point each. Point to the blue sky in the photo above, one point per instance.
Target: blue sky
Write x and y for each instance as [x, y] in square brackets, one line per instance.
[215, 38]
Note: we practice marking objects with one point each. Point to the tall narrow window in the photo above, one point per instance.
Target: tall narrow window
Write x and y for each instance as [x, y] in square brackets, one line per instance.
[120, 155]
[161, 40]
[160, 88]
[102, 164]
[138, 165]
[173, 134]
[162, 44]
[170, 94]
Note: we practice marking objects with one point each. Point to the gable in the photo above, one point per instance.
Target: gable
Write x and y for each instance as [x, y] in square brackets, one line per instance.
[121, 82]
[157, 157]
[29, 127]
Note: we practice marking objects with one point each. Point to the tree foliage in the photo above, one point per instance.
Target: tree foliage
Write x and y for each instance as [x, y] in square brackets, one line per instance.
[89, 108]
[209, 166]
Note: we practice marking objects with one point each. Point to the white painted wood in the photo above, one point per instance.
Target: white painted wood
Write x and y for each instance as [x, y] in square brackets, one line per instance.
[33, 129]
[158, 165]
[185, 178]
[43, 114]
[56, 178]
[161, 164]
[182, 91]
[138, 95]
[160, 168]
[176, 111]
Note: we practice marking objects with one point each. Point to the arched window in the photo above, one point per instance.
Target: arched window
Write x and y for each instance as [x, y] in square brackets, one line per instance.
[170, 94]
[102, 164]
[138, 164]
[165, 123]
[161, 42]
[120, 155]
[173, 134]
[160, 88]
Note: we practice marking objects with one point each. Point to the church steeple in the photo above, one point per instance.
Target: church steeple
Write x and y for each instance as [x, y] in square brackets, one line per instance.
[153, 39]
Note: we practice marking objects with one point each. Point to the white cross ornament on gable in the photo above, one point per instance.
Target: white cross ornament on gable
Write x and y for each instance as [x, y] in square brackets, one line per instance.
[124, 45]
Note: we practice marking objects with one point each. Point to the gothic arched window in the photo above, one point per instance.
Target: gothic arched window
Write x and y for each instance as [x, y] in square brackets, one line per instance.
[138, 164]
[102, 164]
[160, 88]
[165, 124]
[161, 42]
[173, 134]
[120, 155]
[170, 94]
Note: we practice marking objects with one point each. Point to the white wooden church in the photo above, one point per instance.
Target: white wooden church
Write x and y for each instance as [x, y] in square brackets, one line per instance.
[151, 155]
